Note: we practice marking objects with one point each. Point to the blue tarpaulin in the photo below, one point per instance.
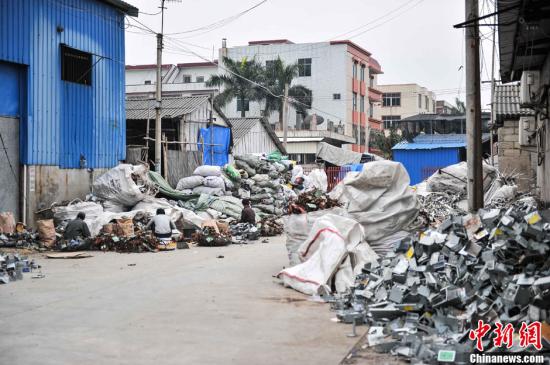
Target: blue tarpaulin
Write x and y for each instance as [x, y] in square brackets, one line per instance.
[221, 141]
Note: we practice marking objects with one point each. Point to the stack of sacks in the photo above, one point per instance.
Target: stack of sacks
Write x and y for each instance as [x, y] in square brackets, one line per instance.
[205, 180]
[262, 181]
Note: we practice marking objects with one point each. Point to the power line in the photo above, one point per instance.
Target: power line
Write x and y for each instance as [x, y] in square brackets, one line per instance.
[219, 23]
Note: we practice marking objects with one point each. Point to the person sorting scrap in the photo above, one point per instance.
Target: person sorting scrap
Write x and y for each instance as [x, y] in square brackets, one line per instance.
[161, 225]
[248, 215]
[77, 228]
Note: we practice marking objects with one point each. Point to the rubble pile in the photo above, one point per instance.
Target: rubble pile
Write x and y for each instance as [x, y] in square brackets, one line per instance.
[311, 201]
[211, 237]
[271, 227]
[244, 232]
[436, 207]
[12, 267]
[135, 244]
[426, 295]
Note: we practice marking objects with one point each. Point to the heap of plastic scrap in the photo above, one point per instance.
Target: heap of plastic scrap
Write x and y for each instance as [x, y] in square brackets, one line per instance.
[427, 299]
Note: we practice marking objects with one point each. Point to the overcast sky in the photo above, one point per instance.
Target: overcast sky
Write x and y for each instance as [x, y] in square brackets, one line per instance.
[416, 43]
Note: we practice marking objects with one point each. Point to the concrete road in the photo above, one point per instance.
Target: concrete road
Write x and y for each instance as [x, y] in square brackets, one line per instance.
[183, 307]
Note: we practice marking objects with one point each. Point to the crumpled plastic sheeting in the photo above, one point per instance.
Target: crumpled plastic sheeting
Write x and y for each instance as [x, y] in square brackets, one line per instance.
[331, 242]
[318, 180]
[118, 186]
[379, 197]
[453, 179]
[63, 214]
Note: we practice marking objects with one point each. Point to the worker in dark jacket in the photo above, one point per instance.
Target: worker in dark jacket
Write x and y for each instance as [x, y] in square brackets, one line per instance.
[248, 215]
[77, 228]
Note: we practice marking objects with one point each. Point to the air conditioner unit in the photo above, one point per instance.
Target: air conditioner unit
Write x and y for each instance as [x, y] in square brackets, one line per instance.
[527, 128]
[529, 86]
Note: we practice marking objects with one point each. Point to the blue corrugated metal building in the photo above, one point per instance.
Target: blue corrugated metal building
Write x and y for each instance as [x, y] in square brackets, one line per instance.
[430, 152]
[62, 77]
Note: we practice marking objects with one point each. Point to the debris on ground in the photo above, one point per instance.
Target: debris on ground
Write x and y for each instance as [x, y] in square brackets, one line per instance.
[424, 297]
[311, 201]
[14, 265]
[68, 255]
[244, 232]
[213, 234]
[270, 227]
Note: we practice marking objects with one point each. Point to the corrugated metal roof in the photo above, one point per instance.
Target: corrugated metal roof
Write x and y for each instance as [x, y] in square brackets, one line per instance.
[434, 141]
[507, 104]
[427, 117]
[241, 126]
[124, 6]
[171, 107]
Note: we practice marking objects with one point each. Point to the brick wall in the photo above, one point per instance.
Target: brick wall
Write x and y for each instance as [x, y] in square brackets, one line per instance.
[515, 159]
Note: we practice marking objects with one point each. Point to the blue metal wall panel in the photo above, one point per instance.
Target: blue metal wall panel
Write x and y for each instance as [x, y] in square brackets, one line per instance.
[421, 163]
[66, 120]
[10, 89]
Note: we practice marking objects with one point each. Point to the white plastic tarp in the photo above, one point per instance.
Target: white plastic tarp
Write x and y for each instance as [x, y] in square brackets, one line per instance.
[318, 180]
[334, 247]
[336, 155]
[118, 186]
[379, 197]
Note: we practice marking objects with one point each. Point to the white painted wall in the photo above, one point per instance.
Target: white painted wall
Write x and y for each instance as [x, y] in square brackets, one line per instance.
[409, 101]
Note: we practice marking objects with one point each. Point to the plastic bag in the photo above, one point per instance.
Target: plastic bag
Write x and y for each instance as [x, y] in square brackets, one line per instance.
[317, 179]
[112, 207]
[63, 214]
[125, 185]
[208, 170]
[232, 173]
[380, 198]
[333, 247]
[453, 179]
[214, 182]
[209, 191]
[190, 182]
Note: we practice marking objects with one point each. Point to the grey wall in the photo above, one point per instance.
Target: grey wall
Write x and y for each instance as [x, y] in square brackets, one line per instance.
[9, 166]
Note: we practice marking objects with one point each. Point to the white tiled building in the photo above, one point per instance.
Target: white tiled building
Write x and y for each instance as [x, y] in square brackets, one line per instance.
[400, 101]
[342, 77]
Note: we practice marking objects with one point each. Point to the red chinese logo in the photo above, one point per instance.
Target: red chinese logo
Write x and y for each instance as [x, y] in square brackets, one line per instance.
[529, 334]
[478, 334]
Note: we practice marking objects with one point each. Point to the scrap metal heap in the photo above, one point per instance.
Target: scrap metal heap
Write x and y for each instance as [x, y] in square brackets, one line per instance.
[425, 296]
[12, 267]
[211, 237]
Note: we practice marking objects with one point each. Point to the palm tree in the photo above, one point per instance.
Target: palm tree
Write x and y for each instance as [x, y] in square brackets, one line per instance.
[276, 75]
[235, 82]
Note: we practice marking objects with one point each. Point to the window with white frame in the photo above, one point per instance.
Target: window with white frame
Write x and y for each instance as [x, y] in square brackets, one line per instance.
[354, 70]
[186, 79]
[200, 78]
[362, 104]
[354, 101]
[362, 72]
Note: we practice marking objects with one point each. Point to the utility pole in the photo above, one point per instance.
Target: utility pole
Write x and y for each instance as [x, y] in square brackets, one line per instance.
[285, 116]
[493, 94]
[473, 109]
[158, 119]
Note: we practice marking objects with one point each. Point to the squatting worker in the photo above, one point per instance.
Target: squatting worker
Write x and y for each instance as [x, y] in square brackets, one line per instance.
[77, 228]
[248, 215]
[161, 225]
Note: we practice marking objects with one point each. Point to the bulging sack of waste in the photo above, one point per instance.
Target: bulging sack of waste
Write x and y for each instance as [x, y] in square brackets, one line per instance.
[124, 185]
[208, 191]
[63, 214]
[190, 182]
[453, 179]
[246, 167]
[214, 182]
[380, 198]
[46, 232]
[232, 173]
[317, 179]
[251, 160]
[208, 170]
[7, 222]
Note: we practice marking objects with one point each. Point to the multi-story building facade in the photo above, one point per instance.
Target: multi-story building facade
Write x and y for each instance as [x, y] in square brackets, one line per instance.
[444, 107]
[183, 79]
[343, 79]
[400, 101]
